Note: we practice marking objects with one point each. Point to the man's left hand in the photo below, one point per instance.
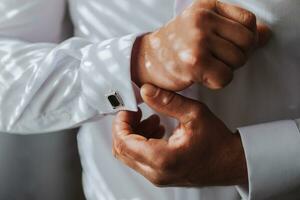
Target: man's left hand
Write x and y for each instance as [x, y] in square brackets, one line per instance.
[201, 151]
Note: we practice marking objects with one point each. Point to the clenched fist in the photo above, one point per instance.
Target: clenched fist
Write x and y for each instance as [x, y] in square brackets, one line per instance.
[204, 44]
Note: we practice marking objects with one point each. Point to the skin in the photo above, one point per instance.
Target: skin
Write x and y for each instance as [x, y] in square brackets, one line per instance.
[204, 44]
[201, 151]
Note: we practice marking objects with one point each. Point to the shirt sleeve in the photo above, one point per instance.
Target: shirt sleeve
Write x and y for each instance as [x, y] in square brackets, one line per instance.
[50, 87]
[273, 159]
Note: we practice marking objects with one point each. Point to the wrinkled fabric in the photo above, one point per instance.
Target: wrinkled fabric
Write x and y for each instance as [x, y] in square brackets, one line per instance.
[49, 87]
[49, 84]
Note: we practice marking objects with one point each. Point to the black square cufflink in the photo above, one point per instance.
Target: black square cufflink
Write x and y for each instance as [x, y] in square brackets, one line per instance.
[115, 100]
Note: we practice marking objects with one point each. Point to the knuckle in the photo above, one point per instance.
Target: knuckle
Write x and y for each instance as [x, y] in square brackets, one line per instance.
[241, 60]
[193, 60]
[167, 98]
[248, 42]
[201, 18]
[159, 180]
[224, 79]
[158, 93]
[221, 84]
[248, 18]
[203, 15]
[185, 146]
[198, 110]
[200, 54]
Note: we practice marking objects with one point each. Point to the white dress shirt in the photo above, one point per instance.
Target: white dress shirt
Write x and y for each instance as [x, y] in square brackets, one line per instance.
[50, 84]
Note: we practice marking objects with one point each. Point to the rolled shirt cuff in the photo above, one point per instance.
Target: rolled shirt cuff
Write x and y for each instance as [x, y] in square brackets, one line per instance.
[106, 75]
[273, 160]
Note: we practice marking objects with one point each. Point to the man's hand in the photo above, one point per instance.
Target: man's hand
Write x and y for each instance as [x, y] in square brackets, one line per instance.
[204, 45]
[201, 151]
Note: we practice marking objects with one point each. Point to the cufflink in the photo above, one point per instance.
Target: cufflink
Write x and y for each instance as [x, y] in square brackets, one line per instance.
[115, 100]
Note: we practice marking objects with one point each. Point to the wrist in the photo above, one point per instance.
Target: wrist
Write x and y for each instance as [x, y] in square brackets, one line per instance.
[229, 163]
[235, 161]
[138, 57]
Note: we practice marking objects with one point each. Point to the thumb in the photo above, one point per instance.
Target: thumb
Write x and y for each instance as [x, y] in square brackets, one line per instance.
[168, 103]
[264, 34]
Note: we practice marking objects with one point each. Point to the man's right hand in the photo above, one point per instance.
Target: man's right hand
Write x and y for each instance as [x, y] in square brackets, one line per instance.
[204, 44]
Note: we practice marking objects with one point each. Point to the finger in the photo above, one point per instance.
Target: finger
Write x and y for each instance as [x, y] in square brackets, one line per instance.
[227, 52]
[238, 14]
[149, 126]
[128, 143]
[166, 102]
[123, 129]
[264, 34]
[234, 32]
[246, 18]
[160, 133]
[216, 74]
[127, 120]
[139, 148]
[131, 144]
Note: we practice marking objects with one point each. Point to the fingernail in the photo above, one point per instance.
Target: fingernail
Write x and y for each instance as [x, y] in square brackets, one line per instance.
[149, 90]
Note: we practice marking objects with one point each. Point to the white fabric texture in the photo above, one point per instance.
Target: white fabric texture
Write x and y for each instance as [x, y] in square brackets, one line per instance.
[48, 87]
[49, 84]
[269, 148]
